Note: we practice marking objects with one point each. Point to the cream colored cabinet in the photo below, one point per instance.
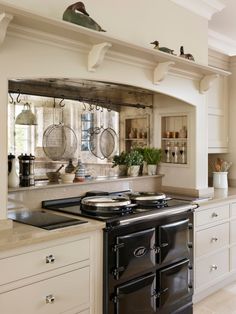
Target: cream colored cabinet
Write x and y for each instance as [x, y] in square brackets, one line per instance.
[217, 100]
[55, 277]
[211, 248]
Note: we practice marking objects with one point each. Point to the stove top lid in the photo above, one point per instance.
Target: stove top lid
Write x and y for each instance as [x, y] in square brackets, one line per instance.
[106, 201]
[147, 196]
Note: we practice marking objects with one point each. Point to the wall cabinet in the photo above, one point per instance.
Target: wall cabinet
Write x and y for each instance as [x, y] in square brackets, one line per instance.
[52, 278]
[137, 132]
[217, 101]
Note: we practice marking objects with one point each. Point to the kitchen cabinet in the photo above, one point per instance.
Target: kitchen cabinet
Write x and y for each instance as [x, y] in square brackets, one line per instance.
[53, 277]
[214, 248]
[217, 100]
[137, 132]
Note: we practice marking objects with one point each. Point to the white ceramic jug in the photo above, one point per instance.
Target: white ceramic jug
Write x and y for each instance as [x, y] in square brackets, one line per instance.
[220, 180]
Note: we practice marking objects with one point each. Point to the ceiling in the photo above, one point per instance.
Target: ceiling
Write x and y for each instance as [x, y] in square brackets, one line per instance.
[222, 28]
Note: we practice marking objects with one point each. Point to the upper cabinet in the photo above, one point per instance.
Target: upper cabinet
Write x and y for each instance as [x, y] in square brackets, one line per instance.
[217, 100]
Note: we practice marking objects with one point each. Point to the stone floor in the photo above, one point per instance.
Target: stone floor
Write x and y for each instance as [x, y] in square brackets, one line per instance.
[221, 302]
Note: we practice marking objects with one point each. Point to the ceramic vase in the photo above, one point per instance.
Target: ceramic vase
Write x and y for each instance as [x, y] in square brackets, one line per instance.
[13, 178]
[220, 180]
[133, 171]
[152, 169]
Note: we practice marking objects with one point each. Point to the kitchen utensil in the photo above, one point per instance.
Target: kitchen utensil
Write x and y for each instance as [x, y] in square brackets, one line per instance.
[54, 176]
[59, 140]
[108, 142]
[67, 177]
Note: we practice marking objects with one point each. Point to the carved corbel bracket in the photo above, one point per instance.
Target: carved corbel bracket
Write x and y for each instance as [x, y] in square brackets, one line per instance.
[206, 82]
[96, 55]
[5, 19]
[161, 71]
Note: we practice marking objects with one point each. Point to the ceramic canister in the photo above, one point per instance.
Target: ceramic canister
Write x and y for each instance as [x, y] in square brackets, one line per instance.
[220, 180]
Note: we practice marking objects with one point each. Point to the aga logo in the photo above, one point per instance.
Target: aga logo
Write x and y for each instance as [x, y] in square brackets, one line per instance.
[140, 251]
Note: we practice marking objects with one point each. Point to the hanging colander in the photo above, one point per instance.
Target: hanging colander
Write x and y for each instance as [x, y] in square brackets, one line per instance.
[59, 140]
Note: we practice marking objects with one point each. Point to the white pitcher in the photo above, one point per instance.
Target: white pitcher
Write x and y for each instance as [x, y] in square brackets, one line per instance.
[220, 180]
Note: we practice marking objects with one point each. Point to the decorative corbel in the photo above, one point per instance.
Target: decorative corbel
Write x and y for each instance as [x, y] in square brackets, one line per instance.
[5, 19]
[96, 55]
[161, 71]
[206, 82]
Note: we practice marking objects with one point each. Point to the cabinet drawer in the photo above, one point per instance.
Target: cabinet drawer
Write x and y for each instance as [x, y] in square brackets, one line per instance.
[211, 215]
[210, 268]
[233, 258]
[233, 231]
[35, 262]
[211, 239]
[69, 290]
[233, 210]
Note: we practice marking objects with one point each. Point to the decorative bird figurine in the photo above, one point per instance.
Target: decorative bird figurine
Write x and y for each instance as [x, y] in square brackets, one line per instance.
[188, 56]
[163, 49]
[77, 14]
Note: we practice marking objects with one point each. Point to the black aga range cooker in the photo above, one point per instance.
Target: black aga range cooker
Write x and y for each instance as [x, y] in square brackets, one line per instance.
[148, 256]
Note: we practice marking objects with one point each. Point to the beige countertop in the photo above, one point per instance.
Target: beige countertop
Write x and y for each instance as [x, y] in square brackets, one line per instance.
[22, 234]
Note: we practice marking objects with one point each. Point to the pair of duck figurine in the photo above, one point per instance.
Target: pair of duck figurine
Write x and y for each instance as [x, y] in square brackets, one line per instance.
[188, 56]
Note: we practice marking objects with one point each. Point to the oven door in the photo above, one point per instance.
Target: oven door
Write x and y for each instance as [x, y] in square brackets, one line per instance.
[174, 241]
[137, 296]
[173, 286]
[134, 253]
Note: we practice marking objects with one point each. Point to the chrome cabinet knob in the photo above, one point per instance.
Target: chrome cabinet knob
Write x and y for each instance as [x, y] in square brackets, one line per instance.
[50, 299]
[214, 239]
[214, 267]
[50, 259]
[214, 215]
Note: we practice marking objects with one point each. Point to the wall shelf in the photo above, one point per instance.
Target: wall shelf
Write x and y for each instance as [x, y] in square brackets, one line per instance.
[100, 45]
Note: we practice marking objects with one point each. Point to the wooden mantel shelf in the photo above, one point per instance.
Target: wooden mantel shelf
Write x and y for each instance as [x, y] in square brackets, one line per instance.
[99, 44]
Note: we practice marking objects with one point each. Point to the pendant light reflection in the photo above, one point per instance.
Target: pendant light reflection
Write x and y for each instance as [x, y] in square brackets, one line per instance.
[26, 117]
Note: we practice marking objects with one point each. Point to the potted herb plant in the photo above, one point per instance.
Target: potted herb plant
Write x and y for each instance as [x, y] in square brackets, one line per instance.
[120, 161]
[134, 160]
[152, 156]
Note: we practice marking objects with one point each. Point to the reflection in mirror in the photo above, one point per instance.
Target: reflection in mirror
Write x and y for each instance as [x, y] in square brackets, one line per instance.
[66, 129]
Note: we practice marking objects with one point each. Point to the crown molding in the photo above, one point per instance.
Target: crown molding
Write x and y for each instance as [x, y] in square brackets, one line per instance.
[221, 43]
[204, 8]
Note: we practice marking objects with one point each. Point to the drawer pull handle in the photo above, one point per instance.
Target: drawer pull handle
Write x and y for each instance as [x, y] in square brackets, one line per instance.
[50, 259]
[214, 215]
[50, 299]
[214, 239]
[214, 267]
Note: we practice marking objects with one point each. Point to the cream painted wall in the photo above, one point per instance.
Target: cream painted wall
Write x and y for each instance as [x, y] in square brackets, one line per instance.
[21, 57]
[232, 127]
[138, 22]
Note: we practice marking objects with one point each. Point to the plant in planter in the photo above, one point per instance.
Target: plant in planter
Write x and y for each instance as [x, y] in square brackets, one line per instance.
[120, 161]
[152, 156]
[134, 160]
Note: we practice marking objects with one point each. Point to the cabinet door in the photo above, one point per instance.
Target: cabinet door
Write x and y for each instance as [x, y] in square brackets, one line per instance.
[51, 296]
[217, 116]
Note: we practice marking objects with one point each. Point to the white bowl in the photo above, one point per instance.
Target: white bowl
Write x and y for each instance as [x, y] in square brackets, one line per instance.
[67, 177]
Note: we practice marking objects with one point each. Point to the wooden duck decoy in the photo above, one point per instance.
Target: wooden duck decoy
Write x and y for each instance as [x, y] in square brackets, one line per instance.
[188, 56]
[77, 14]
[163, 49]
